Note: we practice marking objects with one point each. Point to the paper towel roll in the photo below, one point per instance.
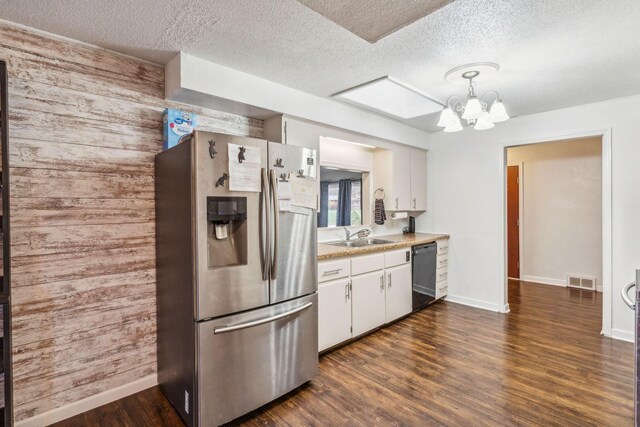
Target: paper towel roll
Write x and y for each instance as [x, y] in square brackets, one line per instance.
[399, 215]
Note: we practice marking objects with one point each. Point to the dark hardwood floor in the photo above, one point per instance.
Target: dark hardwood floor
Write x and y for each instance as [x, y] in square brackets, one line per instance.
[544, 363]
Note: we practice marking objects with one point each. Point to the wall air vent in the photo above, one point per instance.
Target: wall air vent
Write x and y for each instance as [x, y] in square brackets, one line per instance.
[582, 282]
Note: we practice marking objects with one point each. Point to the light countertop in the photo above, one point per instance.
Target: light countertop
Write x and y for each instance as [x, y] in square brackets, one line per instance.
[326, 251]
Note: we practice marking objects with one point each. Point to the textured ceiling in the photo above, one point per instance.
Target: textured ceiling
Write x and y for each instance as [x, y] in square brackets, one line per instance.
[374, 19]
[552, 54]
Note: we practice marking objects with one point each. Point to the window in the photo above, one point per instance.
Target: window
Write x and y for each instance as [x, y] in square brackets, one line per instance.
[356, 203]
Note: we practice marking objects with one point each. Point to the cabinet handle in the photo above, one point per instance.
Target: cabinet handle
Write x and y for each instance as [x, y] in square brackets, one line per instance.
[389, 280]
[330, 272]
[396, 203]
[382, 283]
[347, 291]
[414, 203]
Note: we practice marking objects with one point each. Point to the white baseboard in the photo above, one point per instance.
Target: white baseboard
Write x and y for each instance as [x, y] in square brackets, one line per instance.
[545, 280]
[623, 335]
[88, 403]
[478, 303]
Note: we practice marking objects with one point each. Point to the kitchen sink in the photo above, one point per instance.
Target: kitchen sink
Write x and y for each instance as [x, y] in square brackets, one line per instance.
[359, 243]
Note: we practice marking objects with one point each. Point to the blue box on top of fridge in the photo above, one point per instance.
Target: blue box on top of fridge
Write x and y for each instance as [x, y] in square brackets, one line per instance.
[176, 124]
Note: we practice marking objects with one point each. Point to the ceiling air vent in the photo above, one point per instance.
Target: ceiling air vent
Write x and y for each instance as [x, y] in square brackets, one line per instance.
[582, 282]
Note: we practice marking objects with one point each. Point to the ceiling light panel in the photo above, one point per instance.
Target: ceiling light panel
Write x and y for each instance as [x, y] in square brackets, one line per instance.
[390, 97]
[373, 20]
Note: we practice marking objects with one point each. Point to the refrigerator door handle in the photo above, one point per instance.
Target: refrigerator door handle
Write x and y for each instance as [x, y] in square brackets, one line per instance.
[264, 225]
[238, 326]
[625, 295]
[276, 225]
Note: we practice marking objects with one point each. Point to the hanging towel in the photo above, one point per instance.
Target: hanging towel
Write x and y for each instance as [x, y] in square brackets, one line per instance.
[379, 214]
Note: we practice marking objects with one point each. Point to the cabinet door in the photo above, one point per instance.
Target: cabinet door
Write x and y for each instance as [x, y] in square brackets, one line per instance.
[418, 180]
[401, 179]
[334, 313]
[368, 302]
[398, 301]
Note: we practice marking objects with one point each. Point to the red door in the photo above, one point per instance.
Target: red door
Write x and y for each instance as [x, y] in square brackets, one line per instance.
[513, 226]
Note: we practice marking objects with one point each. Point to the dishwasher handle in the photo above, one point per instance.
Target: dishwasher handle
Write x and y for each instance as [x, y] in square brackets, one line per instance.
[423, 249]
[624, 293]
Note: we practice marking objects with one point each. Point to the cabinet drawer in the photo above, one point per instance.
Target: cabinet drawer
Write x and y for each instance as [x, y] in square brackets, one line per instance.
[254, 351]
[441, 274]
[331, 270]
[443, 246]
[367, 263]
[442, 261]
[442, 288]
[397, 257]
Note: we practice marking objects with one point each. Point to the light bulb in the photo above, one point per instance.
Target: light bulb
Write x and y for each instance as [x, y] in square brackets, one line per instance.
[454, 125]
[498, 113]
[473, 109]
[446, 117]
[483, 122]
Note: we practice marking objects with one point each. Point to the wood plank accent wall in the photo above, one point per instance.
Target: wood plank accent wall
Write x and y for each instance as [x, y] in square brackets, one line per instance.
[85, 124]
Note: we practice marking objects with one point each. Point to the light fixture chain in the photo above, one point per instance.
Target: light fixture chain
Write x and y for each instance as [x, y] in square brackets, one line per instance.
[471, 89]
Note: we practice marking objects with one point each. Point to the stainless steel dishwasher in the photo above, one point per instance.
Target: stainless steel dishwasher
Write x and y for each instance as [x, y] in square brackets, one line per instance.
[423, 274]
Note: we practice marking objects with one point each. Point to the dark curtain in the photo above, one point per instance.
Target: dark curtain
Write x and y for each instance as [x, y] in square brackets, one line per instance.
[361, 219]
[344, 203]
[323, 213]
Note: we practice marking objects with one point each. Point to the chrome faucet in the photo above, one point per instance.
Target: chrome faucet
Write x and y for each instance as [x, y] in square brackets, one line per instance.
[360, 233]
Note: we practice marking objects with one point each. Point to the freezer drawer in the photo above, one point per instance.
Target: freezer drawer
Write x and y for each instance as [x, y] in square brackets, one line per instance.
[249, 359]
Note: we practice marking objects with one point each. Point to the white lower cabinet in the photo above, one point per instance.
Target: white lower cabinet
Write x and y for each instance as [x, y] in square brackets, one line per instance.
[375, 291]
[334, 313]
[398, 295]
[368, 304]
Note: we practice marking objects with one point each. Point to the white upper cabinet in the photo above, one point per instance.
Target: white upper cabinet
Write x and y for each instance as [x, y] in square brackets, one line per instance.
[401, 179]
[391, 170]
[403, 175]
[418, 180]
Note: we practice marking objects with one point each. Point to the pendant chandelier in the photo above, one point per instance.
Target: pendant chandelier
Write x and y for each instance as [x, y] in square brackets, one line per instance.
[474, 110]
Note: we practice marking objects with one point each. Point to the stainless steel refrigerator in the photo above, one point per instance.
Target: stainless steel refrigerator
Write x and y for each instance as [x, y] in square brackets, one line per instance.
[236, 276]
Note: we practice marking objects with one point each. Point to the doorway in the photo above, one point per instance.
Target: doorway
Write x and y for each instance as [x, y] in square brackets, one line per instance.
[513, 222]
[555, 220]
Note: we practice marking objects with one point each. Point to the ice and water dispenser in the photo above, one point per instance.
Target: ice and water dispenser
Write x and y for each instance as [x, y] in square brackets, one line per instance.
[227, 231]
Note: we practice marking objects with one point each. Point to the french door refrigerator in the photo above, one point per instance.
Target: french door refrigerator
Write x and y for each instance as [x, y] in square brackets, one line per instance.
[236, 275]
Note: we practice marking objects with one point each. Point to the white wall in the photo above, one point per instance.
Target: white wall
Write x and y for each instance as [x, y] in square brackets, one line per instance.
[466, 193]
[345, 155]
[561, 209]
